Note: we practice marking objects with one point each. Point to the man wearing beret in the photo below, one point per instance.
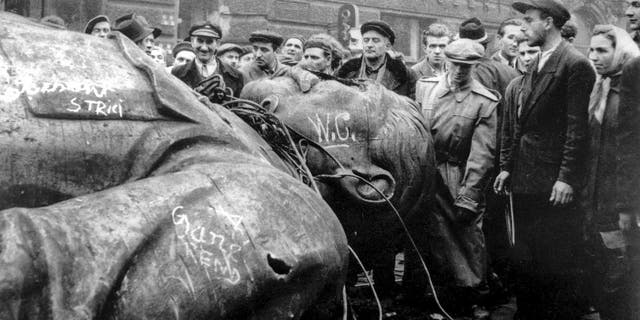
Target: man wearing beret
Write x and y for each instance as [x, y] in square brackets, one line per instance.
[265, 44]
[376, 64]
[544, 160]
[204, 40]
[461, 114]
[99, 26]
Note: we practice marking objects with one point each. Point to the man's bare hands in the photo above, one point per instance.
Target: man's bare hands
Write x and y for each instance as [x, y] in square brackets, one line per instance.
[561, 194]
[500, 184]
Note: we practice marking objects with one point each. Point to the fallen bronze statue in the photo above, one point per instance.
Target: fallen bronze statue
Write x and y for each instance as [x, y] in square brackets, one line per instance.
[125, 197]
[374, 145]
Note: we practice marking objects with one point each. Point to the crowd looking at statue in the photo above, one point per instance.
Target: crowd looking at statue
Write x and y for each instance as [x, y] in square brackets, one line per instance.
[533, 132]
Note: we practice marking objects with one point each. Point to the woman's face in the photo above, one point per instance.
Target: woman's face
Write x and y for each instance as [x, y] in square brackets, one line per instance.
[601, 53]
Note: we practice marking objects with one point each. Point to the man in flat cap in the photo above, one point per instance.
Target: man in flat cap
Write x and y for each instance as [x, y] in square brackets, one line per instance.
[544, 162]
[265, 45]
[99, 26]
[230, 54]
[461, 114]
[376, 63]
[204, 38]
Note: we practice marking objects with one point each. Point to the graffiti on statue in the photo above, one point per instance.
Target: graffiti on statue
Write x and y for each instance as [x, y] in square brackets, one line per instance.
[213, 251]
[333, 129]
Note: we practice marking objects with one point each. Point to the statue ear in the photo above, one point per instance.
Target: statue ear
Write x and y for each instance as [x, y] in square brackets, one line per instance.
[270, 103]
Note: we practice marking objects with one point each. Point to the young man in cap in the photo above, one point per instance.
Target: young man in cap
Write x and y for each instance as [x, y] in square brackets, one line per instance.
[99, 26]
[508, 31]
[435, 40]
[265, 45]
[376, 64]
[292, 50]
[204, 39]
[230, 54]
[461, 115]
[545, 159]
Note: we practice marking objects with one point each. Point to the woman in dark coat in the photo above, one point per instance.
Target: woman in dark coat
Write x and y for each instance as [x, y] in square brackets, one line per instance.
[610, 49]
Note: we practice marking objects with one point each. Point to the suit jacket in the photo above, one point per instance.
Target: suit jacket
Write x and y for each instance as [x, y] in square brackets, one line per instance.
[550, 133]
[628, 140]
[397, 78]
[190, 75]
[424, 69]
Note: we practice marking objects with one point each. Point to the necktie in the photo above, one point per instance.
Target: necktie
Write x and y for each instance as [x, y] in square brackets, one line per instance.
[205, 73]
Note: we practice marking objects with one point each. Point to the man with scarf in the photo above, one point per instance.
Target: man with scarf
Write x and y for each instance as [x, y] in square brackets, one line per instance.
[376, 64]
[611, 47]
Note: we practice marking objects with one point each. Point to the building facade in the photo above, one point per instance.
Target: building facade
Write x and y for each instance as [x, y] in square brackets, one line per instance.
[239, 17]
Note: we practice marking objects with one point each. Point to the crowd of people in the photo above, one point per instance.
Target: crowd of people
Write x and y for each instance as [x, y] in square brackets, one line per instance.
[537, 146]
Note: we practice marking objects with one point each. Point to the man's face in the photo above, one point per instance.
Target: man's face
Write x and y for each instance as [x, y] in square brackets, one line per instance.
[633, 13]
[508, 44]
[146, 44]
[157, 55]
[374, 44]
[264, 54]
[183, 57]
[101, 29]
[526, 54]
[459, 73]
[205, 47]
[355, 41]
[315, 59]
[231, 58]
[293, 49]
[601, 54]
[535, 28]
[435, 49]
[245, 59]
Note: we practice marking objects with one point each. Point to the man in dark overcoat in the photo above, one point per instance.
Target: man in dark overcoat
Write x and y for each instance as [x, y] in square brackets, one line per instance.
[376, 63]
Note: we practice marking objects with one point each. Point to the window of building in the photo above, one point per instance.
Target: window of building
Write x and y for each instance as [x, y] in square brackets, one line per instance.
[408, 34]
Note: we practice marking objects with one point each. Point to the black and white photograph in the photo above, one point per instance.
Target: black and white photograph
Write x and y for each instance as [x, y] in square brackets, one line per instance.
[320, 159]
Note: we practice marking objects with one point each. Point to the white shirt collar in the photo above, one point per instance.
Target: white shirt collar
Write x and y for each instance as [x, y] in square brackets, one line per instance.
[544, 56]
[212, 67]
